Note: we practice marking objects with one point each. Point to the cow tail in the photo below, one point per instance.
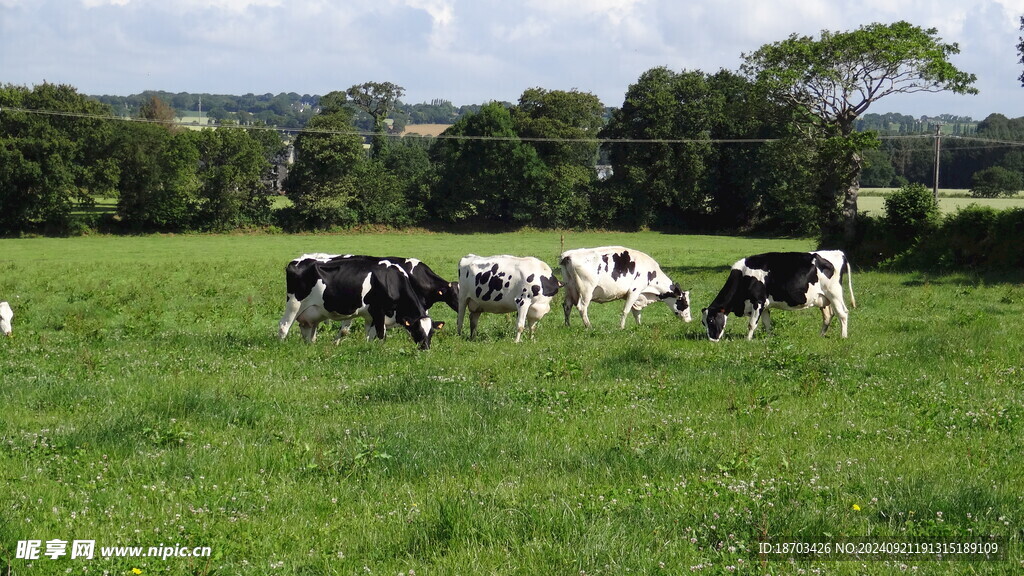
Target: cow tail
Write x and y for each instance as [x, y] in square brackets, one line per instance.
[849, 282]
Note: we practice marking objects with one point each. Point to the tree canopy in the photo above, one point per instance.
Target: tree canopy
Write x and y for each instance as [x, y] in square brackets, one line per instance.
[832, 80]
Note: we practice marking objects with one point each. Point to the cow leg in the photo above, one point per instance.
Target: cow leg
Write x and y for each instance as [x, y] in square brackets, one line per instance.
[532, 325]
[755, 316]
[474, 319]
[344, 330]
[636, 315]
[766, 320]
[571, 301]
[308, 330]
[524, 308]
[843, 313]
[291, 311]
[631, 299]
[376, 328]
[463, 303]
[584, 307]
[826, 318]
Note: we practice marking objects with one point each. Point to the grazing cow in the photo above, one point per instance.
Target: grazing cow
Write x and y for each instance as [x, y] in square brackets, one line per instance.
[501, 284]
[616, 273]
[342, 288]
[430, 287]
[784, 280]
[6, 315]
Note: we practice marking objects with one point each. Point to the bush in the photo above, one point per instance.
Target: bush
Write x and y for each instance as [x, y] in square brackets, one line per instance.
[994, 182]
[910, 212]
[976, 238]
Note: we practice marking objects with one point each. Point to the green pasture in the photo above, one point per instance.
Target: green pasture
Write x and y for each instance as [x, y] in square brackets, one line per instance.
[872, 201]
[146, 401]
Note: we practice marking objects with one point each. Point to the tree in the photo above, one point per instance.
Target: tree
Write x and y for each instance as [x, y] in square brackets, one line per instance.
[562, 127]
[489, 174]
[1020, 50]
[834, 79]
[54, 154]
[667, 171]
[231, 193]
[658, 176]
[571, 120]
[158, 111]
[995, 181]
[158, 187]
[320, 182]
[911, 212]
[377, 99]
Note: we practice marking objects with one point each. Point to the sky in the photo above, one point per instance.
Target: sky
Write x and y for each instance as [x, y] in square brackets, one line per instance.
[470, 51]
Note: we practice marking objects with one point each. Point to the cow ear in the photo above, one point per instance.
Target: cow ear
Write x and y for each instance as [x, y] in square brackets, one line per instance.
[438, 325]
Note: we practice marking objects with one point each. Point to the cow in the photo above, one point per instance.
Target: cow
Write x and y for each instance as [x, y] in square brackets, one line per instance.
[6, 315]
[430, 287]
[501, 284]
[616, 273]
[343, 288]
[783, 280]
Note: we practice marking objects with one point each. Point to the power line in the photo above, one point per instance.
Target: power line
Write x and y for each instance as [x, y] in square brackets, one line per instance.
[295, 131]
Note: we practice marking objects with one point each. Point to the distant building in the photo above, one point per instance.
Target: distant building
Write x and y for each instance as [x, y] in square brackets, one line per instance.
[194, 120]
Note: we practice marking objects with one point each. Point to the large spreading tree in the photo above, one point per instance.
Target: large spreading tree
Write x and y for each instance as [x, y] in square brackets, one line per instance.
[833, 79]
[378, 99]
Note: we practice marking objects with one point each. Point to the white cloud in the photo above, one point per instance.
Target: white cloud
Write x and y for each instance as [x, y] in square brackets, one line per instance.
[468, 51]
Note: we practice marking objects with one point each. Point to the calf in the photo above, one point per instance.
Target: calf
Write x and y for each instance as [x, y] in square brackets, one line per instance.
[616, 273]
[343, 288]
[501, 284]
[6, 315]
[784, 280]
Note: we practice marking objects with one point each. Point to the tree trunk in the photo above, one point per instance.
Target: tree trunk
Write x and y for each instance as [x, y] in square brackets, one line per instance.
[850, 211]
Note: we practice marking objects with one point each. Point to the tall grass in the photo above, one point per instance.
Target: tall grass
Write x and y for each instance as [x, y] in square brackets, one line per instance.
[147, 401]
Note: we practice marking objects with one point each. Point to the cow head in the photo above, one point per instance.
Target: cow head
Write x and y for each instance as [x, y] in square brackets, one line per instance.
[678, 301]
[714, 321]
[422, 330]
[450, 295]
[6, 314]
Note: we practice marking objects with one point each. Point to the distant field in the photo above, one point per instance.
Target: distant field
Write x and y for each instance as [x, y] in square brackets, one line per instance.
[146, 401]
[872, 201]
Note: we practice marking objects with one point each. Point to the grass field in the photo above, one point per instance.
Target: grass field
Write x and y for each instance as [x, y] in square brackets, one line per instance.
[147, 402]
[872, 201]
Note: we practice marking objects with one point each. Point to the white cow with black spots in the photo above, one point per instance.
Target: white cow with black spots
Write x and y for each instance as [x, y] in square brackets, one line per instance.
[501, 284]
[612, 273]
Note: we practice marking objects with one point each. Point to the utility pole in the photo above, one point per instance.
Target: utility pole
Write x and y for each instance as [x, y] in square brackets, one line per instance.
[938, 140]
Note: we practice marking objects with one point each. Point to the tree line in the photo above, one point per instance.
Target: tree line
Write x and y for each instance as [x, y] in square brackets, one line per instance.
[763, 149]
[285, 110]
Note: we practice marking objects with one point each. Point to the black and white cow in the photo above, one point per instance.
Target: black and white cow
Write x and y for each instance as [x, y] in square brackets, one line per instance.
[375, 289]
[616, 273]
[501, 284]
[431, 287]
[783, 280]
[6, 315]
